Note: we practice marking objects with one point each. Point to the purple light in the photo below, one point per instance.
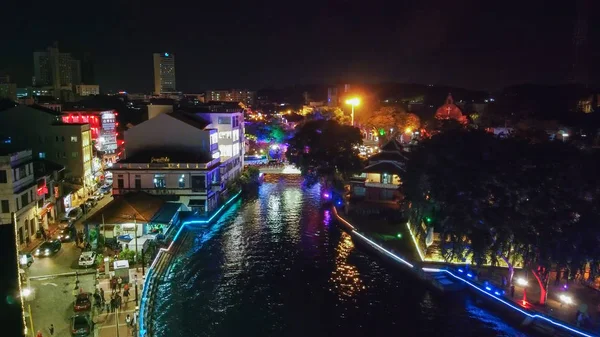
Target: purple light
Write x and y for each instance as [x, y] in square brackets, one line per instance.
[326, 195]
[565, 287]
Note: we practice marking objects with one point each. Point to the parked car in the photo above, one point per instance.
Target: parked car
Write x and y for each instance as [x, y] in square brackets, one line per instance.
[26, 260]
[92, 201]
[73, 213]
[65, 234]
[65, 223]
[48, 248]
[99, 194]
[81, 325]
[85, 207]
[83, 302]
[87, 259]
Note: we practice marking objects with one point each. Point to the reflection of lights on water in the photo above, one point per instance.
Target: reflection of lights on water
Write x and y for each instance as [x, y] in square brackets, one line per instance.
[326, 218]
[345, 278]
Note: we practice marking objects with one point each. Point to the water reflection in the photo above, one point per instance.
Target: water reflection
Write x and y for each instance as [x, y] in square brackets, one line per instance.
[345, 277]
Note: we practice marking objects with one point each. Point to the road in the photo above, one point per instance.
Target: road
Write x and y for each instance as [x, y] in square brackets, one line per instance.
[66, 260]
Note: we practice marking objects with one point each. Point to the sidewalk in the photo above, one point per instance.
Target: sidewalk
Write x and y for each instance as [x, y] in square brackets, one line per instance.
[584, 298]
[33, 244]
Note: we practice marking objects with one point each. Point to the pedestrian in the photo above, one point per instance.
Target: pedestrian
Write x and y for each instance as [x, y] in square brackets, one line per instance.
[39, 334]
[102, 295]
[126, 287]
[51, 329]
[135, 318]
[113, 285]
[119, 283]
[118, 301]
[128, 320]
[107, 306]
[112, 304]
[126, 296]
[512, 290]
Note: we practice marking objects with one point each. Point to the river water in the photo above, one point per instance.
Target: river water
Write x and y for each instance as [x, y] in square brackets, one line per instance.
[278, 266]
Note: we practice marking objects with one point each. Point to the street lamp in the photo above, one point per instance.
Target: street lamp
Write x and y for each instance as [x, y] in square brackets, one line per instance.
[522, 282]
[353, 102]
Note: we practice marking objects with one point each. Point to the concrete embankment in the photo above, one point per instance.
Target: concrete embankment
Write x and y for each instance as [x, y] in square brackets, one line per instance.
[157, 270]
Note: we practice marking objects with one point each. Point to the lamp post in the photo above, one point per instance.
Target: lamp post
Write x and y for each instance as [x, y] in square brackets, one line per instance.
[353, 102]
[136, 289]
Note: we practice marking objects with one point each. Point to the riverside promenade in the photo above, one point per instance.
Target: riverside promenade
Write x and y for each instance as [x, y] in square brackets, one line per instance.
[156, 272]
[485, 283]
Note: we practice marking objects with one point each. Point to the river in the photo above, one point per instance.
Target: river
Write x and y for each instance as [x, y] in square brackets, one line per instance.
[278, 266]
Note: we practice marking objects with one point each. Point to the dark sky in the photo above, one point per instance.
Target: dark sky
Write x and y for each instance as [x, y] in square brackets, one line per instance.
[471, 43]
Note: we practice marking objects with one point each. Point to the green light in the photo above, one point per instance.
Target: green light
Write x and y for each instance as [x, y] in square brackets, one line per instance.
[428, 219]
[399, 235]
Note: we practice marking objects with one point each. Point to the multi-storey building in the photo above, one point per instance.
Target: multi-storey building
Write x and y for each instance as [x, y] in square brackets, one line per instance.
[164, 73]
[179, 162]
[55, 69]
[103, 127]
[9, 91]
[228, 119]
[50, 198]
[234, 95]
[18, 192]
[42, 130]
[87, 89]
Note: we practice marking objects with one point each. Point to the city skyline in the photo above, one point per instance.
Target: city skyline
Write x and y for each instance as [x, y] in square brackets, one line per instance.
[475, 45]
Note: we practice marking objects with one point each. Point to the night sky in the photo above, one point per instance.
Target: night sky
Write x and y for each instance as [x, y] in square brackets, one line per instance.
[472, 43]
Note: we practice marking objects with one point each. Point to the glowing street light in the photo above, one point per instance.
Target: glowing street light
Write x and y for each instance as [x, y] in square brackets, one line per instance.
[408, 130]
[353, 102]
[566, 299]
[26, 292]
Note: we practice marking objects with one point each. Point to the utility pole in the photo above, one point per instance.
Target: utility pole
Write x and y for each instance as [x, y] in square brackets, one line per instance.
[136, 289]
[117, 320]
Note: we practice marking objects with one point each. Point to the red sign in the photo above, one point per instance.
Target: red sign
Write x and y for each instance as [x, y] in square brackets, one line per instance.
[56, 192]
[42, 190]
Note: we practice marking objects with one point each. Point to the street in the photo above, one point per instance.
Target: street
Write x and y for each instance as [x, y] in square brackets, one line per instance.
[66, 260]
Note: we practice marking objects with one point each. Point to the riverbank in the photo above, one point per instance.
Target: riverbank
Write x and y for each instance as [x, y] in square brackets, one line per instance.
[162, 261]
[484, 290]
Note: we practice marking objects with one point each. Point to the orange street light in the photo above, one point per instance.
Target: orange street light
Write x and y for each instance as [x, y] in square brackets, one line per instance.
[353, 102]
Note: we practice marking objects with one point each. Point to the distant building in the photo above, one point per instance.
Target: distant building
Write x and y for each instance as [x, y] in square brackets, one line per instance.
[8, 90]
[180, 162]
[164, 73]
[234, 95]
[332, 96]
[87, 89]
[55, 69]
[42, 130]
[450, 111]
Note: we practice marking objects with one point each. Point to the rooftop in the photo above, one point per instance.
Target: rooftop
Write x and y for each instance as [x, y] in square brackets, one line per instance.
[44, 109]
[392, 145]
[189, 119]
[384, 167]
[140, 205]
[389, 156]
[43, 167]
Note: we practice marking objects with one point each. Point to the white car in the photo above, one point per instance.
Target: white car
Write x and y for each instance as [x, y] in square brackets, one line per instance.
[87, 259]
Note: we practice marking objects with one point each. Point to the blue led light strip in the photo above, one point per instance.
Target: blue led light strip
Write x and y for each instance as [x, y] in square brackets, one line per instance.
[149, 273]
[434, 270]
[581, 333]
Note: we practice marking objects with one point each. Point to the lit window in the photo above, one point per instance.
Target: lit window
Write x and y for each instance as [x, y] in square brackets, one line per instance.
[160, 181]
[42, 155]
[74, 139]
[182, 181]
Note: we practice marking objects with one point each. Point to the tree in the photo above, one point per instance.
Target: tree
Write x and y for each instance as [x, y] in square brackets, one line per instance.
[325, 149]
[333, 113]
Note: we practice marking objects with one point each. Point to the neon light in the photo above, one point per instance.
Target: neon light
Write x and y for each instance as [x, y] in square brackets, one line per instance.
[497, 293]
[395, 257]
[488, 288]
[460, 270]
[415, 241]
[469, 275]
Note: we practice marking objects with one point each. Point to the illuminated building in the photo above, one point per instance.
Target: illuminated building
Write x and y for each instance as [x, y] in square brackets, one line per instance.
[103, 127]
[228, 119]
[450, 111]
[18, 192]
[87, 89]
[380, 180]
[164, 73]
[43, 131]
[179, 162]
[234, 95]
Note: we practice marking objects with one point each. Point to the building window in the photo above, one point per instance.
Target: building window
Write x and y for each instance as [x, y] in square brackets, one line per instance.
[198, 183]
[120, 182]
[63, 138]
[5, 206]
[17, 203]
[74, 139]
[224, 120]
[74, 154]
[24, 199]
[57, 138]
[3, 177]
[225, 135]
[31, 195]
[160, 181]
[182, 181]
[138, 181]
[42, 155]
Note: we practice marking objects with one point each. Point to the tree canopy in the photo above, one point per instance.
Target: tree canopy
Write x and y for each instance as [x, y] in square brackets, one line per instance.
[386, 118]
[325, 149]
[533, 203]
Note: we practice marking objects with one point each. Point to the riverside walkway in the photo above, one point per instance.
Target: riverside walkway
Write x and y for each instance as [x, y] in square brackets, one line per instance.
[555, 318]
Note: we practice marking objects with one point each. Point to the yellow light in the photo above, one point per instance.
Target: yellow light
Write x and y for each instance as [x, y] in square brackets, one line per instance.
[408, 130]
[353, 101]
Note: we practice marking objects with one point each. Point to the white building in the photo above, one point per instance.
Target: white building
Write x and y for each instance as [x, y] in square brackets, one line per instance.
[18, 192]
[234, 95]
[172, 155]
[228, 119]
[87, 89]
[164, 73]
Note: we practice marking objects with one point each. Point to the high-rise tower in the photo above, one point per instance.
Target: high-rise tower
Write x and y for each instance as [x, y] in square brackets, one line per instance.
[164, 73]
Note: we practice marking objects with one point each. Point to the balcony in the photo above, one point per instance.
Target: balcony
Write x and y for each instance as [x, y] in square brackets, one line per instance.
[382, 185]
[162, 191]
